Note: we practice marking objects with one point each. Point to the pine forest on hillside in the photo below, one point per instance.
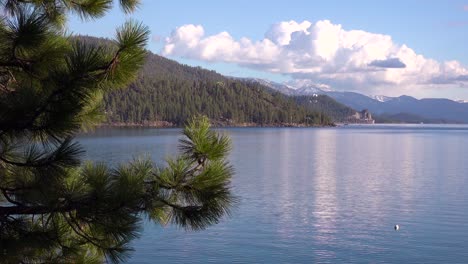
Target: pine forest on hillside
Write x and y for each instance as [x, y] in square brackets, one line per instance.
[168, 91]
[325, 104]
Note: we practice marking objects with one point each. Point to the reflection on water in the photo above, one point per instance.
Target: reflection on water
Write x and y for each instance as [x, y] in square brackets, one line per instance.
[321, 195]
[325, 203]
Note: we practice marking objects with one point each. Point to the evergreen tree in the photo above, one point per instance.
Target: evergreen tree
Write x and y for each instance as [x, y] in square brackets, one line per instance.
[327, 106]
[53, 208]
[174, 92]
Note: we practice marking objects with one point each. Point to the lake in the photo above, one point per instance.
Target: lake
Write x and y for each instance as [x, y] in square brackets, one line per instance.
[310, 195]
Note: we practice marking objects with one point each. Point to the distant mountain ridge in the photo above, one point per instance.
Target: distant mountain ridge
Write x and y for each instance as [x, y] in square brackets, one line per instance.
[382, 98]
[312, 99]
[435, 109]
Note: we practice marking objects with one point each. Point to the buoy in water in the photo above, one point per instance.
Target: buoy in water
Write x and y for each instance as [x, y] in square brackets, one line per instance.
[397, 227]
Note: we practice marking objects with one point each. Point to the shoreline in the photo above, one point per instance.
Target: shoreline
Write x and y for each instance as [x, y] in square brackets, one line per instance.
[165, 124]
[250, 125]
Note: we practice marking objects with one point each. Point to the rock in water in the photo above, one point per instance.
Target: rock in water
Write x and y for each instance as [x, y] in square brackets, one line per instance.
[397, 227]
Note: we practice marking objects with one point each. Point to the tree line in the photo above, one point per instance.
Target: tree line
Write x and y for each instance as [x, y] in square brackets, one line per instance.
[168, 91]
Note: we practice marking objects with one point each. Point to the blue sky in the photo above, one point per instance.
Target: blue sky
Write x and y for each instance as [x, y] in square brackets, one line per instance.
[436, 30]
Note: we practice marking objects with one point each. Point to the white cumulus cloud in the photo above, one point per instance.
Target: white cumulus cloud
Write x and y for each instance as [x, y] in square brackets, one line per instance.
[321, 52]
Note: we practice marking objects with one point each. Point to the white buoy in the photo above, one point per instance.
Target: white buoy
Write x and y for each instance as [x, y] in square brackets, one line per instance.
[397, 227]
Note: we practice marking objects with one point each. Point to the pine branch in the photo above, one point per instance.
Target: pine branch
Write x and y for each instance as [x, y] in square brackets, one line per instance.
[8, 198]
[34, 210]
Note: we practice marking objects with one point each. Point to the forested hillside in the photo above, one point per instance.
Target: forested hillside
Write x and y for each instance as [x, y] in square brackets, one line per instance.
[168, 91]
[336, 111]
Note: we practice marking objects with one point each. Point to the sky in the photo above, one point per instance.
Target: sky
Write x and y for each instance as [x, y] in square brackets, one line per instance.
[391, 48]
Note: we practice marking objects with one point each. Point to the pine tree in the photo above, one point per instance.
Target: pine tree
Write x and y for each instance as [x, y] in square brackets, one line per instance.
[53, 207]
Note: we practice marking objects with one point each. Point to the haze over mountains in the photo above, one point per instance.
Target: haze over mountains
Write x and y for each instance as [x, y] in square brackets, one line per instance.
[403, 108]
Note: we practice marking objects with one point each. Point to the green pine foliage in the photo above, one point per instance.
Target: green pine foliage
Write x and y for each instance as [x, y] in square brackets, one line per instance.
[336, 111]
[168, 91]
[55, 208]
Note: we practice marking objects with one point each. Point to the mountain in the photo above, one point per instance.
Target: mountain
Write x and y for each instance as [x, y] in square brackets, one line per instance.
[308, 91]
[444, 109]
[315, 99]
[382, 98]
[279, 87]
[434, 109]
[292, 88]
[354, 100]
[167, 93]
[429, 109]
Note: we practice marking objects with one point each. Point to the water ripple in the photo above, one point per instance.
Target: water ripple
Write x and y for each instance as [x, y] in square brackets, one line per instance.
[321, 196]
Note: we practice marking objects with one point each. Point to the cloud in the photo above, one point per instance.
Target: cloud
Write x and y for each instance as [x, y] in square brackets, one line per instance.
[322, 52]
[388, 63]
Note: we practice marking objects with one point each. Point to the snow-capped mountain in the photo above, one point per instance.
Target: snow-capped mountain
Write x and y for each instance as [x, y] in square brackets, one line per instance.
[308, 91]
[292, 88]
[307, 87]
[429, 108]
[282, 88]
[382, 98]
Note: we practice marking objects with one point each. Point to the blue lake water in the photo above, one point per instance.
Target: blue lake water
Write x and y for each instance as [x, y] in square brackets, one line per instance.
[319, 195]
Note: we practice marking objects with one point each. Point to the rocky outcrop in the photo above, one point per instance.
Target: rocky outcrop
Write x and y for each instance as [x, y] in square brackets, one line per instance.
[363, 117]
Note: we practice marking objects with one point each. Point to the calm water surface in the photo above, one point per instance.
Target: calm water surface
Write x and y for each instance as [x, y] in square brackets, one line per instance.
[325, 195]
